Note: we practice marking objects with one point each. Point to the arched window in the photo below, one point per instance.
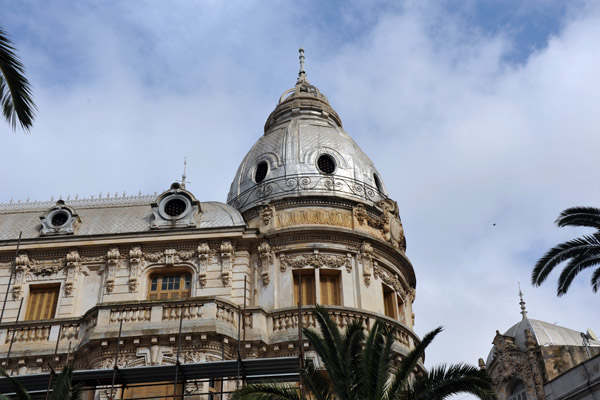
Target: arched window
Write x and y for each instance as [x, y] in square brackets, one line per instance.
[170, 285]
[516, 390]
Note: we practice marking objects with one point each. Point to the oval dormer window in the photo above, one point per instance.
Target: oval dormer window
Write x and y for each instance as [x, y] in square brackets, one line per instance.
[326, 164]
[261, 171]
[60, 218]
[175, 207]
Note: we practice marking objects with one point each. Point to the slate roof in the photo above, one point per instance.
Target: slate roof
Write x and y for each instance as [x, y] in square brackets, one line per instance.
[106, 216]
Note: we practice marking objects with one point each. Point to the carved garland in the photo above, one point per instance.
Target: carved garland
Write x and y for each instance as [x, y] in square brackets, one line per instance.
[266, 257]
[315, 260]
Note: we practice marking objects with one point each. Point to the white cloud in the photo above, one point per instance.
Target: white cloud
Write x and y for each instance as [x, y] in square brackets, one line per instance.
[464, 139]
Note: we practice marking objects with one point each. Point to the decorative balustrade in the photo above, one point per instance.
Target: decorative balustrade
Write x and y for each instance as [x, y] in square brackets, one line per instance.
[131, 314]
[288, 321]
[190, 311]
[29, 334]
[227, 313]
[103, 321]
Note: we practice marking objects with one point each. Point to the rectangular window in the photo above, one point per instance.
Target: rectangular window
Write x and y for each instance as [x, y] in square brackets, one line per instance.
[389, 301]
[307, 280]
[153, 391]
[170, 286]
[330, 287]
[42, 302]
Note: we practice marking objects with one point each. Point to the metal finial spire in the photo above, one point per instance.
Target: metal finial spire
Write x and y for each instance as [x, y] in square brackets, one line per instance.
[522, 303]
[183, 175]
[302, 73]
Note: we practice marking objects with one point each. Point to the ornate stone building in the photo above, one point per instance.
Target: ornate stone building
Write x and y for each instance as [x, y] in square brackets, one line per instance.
[307, 216]
[532, 356]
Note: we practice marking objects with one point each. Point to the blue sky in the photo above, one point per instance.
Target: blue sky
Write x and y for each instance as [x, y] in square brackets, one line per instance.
[475, 113]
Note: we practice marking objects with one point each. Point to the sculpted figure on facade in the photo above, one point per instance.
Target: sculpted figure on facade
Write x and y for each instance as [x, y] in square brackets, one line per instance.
[136, 264]
[203, 257]
[22, 265]
[113, 257]
[266, 257]
[226, 261]
[73, 265]
[366, 259]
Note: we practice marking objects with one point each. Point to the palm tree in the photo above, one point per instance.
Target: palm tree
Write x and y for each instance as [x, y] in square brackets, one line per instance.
[360, 366]
[583, 252]
[15, 92]
[62, 389]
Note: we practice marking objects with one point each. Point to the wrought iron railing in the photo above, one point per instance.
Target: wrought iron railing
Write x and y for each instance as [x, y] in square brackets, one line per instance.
[307, 184]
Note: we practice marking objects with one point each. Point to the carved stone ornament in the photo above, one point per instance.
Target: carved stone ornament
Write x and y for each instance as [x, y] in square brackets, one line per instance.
[73, 265]
[155, 354]
[389, 279]
[226, 261]
[170, 257]
[392, 228]
[509, 363]
[366, 258]
[22, 266]
[136, 263]
[266, 257]
[314, 216]
[314, 260]
[113, 257]
[203, 257]
[266, 215]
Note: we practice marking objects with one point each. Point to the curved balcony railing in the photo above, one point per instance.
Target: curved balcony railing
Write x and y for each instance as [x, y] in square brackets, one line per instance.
[307, 184]
[202, 315]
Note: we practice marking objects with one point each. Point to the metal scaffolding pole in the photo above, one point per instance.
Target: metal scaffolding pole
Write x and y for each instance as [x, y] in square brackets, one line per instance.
[115, 367]
[178, 350]
[12, 338]
[12, 269]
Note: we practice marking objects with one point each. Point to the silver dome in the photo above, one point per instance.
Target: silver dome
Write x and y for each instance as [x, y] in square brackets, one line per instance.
[302, 136]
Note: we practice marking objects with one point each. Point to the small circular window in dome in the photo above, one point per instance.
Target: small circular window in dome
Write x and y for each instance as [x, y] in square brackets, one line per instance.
[377, 183]
[175, 207]
[261, 172]
[59, 218]
[326, 164]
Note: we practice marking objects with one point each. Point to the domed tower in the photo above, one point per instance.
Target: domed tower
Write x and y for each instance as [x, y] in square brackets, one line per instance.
[328, 232]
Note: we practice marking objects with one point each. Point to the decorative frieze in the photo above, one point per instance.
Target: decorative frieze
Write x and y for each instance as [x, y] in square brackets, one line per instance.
[314, 216]
[316, 260]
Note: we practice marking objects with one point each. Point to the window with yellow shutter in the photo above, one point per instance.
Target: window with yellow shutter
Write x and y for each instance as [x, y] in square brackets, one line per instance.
[170, 286]
[42, 301]
[389, 301]
[330, 287]
[154, 391]
[307, 281]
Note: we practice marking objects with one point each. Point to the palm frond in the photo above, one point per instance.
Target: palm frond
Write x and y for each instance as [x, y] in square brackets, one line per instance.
[443, 381]
[570, 271]
[596, 280]
[15, 92]
[21, 392]
[377, 358]
[580, 216]
[401, 379]
[589, 244]
[267, 391]
[317, 383]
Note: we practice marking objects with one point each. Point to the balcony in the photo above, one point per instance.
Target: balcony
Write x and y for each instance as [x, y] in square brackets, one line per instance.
[198, 316]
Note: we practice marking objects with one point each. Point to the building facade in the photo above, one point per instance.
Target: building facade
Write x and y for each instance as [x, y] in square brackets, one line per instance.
[534, 359]
[168, 277]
